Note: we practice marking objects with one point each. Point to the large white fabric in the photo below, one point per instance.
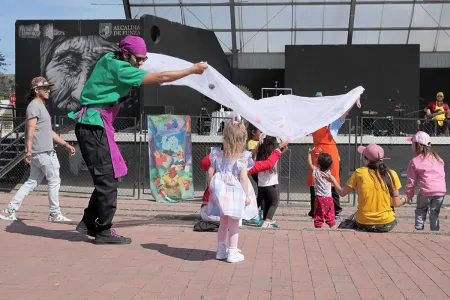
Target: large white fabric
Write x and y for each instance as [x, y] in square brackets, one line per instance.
[287, 116]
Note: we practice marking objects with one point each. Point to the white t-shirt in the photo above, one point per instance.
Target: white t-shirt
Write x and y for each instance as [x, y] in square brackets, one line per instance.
[267, 179]
[322, 186]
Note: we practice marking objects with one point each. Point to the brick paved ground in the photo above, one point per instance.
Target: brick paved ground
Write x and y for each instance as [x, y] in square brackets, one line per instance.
[41, 260]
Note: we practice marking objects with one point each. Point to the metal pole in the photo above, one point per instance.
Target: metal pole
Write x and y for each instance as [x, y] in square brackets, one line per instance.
[140, 158]
[136, 166]
[351, 22]
[360, 125]
[127, 9]
[234, 51]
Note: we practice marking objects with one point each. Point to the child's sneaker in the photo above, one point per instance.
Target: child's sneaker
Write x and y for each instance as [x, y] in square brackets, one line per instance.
[269, 225]
[222, 252]
[234, 255]
[7, 215]
[58, 218]
[253, 221]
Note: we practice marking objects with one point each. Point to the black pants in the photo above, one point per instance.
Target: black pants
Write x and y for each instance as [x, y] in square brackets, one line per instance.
[259, 201]
[334, 194]
[94, 148]
[270, 196]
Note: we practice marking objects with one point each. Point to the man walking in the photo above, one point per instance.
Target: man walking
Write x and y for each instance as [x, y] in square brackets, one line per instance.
[40, 154]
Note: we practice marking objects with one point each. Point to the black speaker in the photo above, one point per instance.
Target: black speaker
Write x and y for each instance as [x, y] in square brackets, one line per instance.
[158, 110]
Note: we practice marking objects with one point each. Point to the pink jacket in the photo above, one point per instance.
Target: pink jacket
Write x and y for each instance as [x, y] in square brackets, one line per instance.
[429, 173]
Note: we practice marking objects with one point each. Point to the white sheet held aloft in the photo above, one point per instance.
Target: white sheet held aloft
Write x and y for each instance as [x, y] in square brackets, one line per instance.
[287, 116]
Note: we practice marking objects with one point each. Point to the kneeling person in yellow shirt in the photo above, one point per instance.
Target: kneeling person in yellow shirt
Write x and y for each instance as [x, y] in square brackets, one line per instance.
[377, 188]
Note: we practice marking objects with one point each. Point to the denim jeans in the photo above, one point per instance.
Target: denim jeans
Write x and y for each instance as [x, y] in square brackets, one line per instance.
[425, 203]
[46, 165]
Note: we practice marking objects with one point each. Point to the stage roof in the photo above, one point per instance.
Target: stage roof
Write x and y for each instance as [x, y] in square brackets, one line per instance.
[269, 25]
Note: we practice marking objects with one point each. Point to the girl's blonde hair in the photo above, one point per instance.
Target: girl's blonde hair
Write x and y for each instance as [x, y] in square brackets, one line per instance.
[425, 151]
[234, 139]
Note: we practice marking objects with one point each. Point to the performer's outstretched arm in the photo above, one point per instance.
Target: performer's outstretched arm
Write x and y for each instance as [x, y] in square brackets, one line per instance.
[169, 76]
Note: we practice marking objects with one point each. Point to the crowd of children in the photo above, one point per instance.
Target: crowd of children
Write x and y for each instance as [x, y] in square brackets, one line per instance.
[231, 197]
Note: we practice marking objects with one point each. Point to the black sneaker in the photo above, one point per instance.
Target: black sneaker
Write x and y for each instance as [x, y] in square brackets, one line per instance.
[82, 228]
[110, 237]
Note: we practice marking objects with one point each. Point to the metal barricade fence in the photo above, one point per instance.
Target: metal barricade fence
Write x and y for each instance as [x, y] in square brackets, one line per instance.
[292, 166]
[132, 140]
[295, 161]
[75, 178]
[12, 144]
[391, 133]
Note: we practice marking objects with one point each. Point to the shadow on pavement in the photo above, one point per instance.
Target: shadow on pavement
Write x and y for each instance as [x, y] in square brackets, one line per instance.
[181, 253]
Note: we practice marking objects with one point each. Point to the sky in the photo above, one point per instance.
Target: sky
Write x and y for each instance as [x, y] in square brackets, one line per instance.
[13, 10]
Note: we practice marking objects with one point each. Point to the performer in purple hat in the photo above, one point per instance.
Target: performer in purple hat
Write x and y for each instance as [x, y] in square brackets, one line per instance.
[109, 84]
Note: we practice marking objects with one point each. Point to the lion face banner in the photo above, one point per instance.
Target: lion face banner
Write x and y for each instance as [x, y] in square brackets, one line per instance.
[287, 116]
[170, 157]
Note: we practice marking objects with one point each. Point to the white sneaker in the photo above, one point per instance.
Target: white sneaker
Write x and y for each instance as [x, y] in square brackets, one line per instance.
[222, 253]
[269, 225]
[8, 216]
[235, 255]
[58, 218]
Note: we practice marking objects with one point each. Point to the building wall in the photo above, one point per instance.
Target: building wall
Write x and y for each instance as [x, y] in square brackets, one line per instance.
[276, 60]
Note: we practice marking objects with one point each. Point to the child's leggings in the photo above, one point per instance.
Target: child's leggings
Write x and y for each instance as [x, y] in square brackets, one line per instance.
[228, 224]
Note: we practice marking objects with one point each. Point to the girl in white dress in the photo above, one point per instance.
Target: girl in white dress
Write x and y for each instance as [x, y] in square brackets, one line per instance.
[232, 195]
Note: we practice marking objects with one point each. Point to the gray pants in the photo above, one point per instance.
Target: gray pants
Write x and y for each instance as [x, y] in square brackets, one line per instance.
[433, 203]
[46, 165]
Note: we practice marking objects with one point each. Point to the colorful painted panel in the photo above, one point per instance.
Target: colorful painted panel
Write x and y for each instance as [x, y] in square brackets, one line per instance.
[170, 157]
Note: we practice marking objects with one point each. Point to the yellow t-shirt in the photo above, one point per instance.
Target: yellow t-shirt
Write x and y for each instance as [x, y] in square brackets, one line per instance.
[374, 201]
[252, 144]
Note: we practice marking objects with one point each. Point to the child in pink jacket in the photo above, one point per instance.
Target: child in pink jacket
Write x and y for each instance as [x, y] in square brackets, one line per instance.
[427, 170]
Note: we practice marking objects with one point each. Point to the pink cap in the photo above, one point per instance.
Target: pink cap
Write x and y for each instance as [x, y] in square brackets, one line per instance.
[372, 152]
[420, 137]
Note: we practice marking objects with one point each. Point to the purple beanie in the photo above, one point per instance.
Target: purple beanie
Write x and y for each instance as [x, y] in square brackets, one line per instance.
[133, 45]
